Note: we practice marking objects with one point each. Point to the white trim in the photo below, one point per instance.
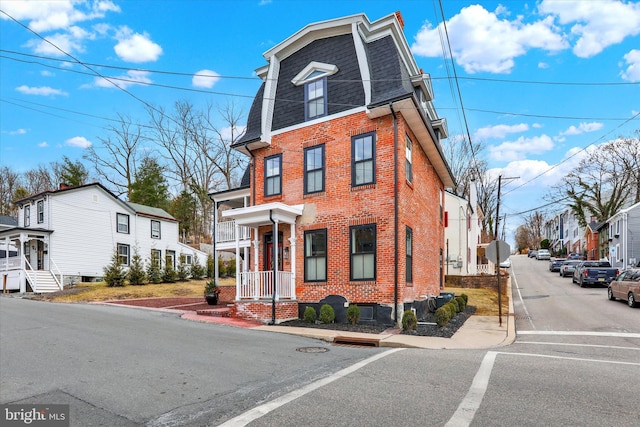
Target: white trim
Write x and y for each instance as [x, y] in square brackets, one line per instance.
[303, 76]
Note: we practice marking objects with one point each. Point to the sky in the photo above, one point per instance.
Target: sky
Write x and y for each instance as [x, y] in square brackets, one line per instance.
[537, 83]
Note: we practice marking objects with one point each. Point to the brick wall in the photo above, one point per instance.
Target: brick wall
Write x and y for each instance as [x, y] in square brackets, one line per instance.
[477, 282]
[262, 311]
[341, 206]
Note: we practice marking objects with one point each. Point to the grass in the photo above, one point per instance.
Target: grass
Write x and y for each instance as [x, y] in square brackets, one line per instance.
[98, 291]
[484, 300]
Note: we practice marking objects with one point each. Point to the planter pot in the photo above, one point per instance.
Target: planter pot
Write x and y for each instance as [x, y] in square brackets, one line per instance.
[212, 299]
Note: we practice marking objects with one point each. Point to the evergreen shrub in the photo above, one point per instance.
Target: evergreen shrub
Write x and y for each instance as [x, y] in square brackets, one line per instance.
[327, 314]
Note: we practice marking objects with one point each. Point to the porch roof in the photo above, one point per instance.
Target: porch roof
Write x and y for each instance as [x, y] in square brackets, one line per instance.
[266, 214]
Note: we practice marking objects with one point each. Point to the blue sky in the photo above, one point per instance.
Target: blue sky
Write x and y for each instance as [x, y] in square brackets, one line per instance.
[541, 82]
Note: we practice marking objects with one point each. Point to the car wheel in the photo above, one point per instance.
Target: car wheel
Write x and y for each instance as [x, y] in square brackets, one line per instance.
[631, 301]
[610, 294]
[581, 282]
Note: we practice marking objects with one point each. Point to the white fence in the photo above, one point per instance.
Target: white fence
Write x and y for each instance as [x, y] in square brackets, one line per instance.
[259, 285]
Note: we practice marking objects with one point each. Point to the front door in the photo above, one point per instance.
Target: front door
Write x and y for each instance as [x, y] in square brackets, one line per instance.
[40, 252]
[268, 251]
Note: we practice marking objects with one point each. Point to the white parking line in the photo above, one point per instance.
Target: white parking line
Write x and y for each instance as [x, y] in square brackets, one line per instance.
[582, 333]
[579, 359]
[524, 307]
[613, 347]
[259, 411]
[471, 402]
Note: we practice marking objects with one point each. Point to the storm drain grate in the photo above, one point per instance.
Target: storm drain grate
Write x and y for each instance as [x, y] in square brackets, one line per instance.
[312, 349]
[366, 342]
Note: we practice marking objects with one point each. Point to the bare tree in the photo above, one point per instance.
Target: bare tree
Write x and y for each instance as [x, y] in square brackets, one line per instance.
[10, 183]
[463, 161]
[39, 179]
[115, 161]
[626, 153]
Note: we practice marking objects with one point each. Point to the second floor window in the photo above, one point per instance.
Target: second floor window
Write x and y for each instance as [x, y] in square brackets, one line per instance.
[40, 207]
[315, 99]
[314, 169]
[363, 163]
[155, 229]
[27, 215]
[123, 223]
[363, 252]
[315, 256]
[409, 161]
[273, 175]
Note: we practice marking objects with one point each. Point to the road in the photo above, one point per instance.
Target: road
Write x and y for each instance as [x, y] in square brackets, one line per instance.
[576, 361]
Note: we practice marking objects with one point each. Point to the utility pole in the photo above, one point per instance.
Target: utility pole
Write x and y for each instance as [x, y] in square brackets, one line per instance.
[498, 248]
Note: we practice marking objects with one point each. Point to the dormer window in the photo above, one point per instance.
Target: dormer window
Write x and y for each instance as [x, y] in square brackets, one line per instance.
[314, 79]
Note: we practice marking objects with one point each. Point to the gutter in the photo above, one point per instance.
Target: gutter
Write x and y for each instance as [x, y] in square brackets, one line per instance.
[395, 213]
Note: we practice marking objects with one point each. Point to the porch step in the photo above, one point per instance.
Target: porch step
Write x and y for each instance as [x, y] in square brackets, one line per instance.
[45, 283]
[215, 312]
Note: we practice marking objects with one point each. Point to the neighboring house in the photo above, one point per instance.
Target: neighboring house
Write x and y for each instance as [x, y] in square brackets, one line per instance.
[624, 237]
[461, 233]
[72, 233]
[344, 200]
[7, 221]
[603, 240]
[592, 241]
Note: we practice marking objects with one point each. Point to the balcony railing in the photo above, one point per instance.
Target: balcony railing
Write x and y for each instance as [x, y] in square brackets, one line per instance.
[226, 232]
[259, 285]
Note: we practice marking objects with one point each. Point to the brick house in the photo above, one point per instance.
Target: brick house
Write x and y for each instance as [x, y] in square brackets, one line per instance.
[346, 169]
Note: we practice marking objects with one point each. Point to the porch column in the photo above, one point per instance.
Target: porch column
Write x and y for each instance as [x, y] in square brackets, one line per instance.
[292, 251]
[238, 278]
[256, 246]
[276, 243]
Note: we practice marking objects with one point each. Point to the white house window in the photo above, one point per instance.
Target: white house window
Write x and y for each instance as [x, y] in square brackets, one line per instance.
[123, 254]
[156, 257]
[40, 207]
[186, 259]
[170, 259]
[123, 223]
[27, 215]
[155, 229]
[273, 175]
[363, 252]
[408, 158]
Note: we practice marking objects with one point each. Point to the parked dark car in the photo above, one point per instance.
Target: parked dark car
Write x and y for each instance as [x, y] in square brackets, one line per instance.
[594, 273]
[576, 256]
[555, 263]
[567, 267]
[626, 287]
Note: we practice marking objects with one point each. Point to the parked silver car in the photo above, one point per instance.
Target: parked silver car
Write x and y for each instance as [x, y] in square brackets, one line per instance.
[568, 267]
[543, 254]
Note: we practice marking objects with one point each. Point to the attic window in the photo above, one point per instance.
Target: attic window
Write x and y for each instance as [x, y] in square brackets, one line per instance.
[314, 79]
[313, 71]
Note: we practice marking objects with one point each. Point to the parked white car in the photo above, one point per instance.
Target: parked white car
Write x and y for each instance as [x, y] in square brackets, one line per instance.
[543, 254]
[506, 263]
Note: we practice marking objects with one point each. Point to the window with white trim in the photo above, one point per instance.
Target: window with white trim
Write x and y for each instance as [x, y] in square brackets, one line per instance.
[40, 214]
[156, 257]
[408, 153]
[27, 215]
[155, 229]
[123, 254]
[123, 223]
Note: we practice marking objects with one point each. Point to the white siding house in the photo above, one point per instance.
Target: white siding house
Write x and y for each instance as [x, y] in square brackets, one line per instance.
[72, 233]
[462, 234]
[624, 237]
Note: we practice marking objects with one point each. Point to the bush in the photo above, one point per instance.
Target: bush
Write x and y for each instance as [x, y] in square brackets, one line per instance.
[465, 297]
[455, 305]
[442, 316]
[451, 309]
[136, 275]
[309, 315]
[409, 320]
[154, 273]
[327, 314]
[197, 270]
[211, 272]
[114, 274]
[461, 303]
[353, 314]
[169, 275]
[183, 269]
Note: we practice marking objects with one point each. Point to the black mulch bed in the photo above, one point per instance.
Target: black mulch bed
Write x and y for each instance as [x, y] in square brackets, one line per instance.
[446, 331]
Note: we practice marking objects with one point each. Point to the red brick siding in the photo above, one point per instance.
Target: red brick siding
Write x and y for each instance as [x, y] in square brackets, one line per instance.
[342, 206]
[261, 310]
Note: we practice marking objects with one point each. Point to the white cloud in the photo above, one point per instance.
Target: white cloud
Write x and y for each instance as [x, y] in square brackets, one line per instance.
[632, 73]
[499, 131]
[71, 42]
[483, 41]
[205, 78]
[43, 144]
[42, 91]
[46, 16]
[18, 132]
[582, 128]
[78, 141]
[518, 150]
[543, 65]
[123, 81]
[597, 24]
[136, 47]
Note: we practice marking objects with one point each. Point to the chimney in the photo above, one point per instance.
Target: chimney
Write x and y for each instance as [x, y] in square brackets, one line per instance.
[64, 186]
[400, 19]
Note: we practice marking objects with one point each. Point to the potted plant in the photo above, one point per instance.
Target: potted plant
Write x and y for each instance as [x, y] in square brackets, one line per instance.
[211, 292]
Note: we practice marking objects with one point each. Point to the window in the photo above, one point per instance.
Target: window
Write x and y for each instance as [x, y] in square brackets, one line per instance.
[123, 254]
[315, 98]
[409, 162]
[409, 261]
[40, 207]
[27, 215]
[155, 229]
[123, 223]
[273, 175]
[363, 159]
[156, 256]
[315, 256]
[170, 259]
[363, 252]
[314, 169]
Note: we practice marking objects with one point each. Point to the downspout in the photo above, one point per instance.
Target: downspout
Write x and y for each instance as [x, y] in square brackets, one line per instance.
[253, 176]
[395, 213]
[275, 269]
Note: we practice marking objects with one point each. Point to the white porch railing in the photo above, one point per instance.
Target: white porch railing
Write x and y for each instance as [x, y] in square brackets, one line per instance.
[259, 285]
[56, 273]
[226, 232]
[31, 274]
[486, 268]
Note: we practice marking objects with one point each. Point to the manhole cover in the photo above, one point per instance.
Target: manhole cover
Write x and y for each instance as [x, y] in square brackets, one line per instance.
[312, 349]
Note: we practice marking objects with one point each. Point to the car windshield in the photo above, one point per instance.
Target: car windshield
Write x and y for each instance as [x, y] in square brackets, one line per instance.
[597, 264]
